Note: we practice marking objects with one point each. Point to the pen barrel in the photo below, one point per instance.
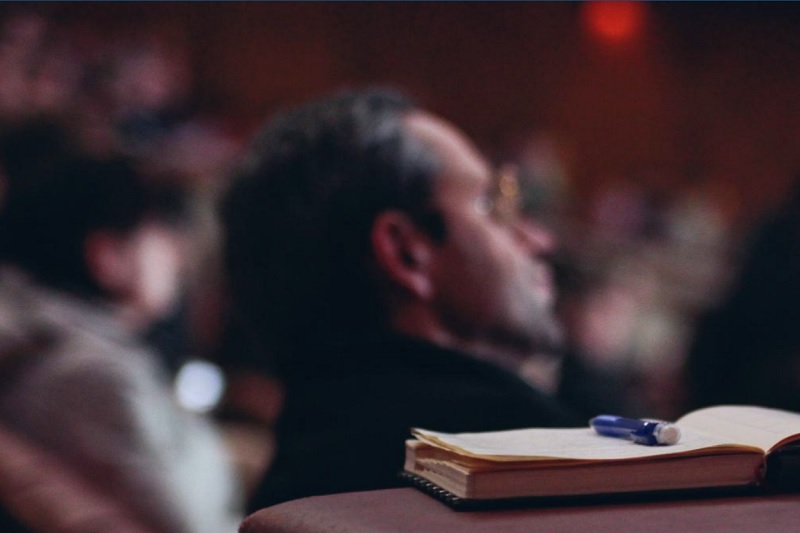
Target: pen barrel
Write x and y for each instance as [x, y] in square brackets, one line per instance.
[615, 426]
[647, 432]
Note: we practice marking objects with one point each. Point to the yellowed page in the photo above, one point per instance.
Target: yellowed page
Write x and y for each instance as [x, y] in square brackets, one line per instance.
[755, 426]
[560, 444]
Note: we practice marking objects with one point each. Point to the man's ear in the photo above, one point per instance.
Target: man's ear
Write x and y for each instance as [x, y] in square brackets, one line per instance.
[106, 261]
[403, 252]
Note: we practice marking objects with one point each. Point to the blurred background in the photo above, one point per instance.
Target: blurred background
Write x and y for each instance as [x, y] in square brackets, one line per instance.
[657, 139]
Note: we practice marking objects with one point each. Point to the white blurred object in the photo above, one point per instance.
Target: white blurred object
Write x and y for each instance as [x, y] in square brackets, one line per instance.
[199, 385]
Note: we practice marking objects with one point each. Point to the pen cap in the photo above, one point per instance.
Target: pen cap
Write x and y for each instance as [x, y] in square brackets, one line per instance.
[667, 434]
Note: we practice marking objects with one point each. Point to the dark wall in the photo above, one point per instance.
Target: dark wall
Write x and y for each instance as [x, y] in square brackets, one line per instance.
[706, 91]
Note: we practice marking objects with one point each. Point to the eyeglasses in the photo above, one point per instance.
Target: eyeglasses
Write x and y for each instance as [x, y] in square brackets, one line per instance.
[503, 202]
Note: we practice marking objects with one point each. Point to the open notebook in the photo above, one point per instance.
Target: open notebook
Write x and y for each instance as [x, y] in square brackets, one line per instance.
[720, 447]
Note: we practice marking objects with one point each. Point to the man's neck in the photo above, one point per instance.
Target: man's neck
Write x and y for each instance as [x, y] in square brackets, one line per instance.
[130, 317]
[428, 328]
[540, 369]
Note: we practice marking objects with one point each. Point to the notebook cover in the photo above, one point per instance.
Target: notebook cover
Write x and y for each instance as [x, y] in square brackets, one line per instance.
[468, 504]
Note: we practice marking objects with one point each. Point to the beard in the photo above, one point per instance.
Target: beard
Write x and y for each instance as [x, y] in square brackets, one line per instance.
[541, 333]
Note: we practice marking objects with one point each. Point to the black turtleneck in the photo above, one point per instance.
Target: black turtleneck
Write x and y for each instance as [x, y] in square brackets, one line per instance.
[346, 419]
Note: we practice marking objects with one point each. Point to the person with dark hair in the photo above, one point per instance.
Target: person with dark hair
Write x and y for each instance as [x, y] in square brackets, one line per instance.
[87, 260]
[385, 273]
[746, 350]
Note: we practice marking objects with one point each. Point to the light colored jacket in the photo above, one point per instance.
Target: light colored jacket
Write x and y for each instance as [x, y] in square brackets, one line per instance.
[75, 383]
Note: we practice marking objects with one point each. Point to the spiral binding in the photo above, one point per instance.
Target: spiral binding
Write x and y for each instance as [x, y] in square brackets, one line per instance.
[434, 490]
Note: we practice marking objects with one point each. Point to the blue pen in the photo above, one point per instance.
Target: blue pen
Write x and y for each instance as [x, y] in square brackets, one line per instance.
[648, 432]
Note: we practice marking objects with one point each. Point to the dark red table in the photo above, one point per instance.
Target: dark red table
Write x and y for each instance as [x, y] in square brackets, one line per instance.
[408, 510]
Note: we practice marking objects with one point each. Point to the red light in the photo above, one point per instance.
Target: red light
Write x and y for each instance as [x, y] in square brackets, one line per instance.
[614, 21]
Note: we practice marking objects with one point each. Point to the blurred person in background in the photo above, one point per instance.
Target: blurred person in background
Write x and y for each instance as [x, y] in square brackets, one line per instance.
[746, 349]
[88, 260]
[379, 260]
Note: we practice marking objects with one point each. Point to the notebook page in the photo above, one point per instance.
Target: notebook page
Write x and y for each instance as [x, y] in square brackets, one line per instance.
[756, 426]
[560, 444]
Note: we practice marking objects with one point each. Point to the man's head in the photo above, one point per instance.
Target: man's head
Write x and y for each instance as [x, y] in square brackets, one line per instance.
[91, 227]
[362, 213]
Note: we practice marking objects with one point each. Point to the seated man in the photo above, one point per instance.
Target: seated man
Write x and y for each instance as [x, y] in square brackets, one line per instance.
[87, 263]
[382, 264]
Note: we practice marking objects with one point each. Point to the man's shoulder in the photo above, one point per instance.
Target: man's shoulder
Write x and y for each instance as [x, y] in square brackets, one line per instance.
[54, 357]
[431, 387]
[48, 328]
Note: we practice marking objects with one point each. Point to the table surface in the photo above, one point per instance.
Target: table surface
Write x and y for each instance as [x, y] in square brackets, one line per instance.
[407, 510]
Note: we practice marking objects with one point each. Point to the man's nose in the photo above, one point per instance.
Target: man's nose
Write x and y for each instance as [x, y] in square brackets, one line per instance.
[533, 236]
